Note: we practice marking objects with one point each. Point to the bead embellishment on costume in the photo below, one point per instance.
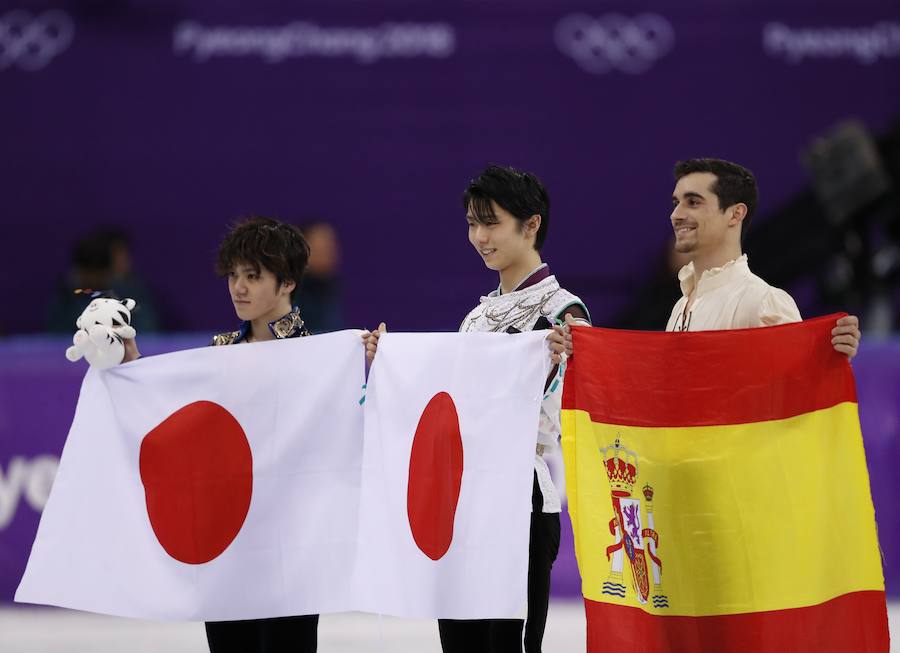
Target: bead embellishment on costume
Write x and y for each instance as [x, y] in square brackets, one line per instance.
[522, 312]
[520, 309]
[291, 325]
[225, 338]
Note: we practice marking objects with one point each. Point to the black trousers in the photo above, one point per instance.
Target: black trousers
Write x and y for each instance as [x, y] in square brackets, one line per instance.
[280, 635]
[505, 635]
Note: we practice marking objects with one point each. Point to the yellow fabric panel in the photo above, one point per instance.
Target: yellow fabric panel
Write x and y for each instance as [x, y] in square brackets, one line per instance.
[750, 517]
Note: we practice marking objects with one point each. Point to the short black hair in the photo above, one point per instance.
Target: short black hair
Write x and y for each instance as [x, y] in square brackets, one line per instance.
[520, 193]
[734, 184]
[264, 242]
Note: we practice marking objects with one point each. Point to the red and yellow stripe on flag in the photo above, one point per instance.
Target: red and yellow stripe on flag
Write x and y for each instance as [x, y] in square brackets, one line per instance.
[719, 495]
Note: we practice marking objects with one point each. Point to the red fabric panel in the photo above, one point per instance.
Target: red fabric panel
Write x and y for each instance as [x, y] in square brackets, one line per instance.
[435, 476]
[706, 378]
[854, 622]
[197, 471]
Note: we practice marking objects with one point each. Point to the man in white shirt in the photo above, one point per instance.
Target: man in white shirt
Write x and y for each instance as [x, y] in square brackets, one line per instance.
[712, 205]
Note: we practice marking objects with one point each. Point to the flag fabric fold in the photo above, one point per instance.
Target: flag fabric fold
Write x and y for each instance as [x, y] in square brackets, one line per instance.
[718, 492]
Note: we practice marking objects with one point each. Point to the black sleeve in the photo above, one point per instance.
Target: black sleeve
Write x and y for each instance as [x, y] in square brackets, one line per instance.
[577, 311]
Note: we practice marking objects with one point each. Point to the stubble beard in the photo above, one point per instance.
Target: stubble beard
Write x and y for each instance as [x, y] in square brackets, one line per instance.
[683, 247]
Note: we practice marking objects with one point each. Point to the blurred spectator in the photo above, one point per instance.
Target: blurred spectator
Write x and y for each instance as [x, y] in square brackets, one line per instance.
[319, 292]
[101, 261]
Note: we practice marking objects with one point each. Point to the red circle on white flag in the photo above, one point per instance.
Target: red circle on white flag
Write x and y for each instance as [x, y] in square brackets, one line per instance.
[435, 476]
[197, 471]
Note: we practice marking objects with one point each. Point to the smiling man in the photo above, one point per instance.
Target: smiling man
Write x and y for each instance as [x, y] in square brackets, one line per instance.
[712, 206]
[508, 216]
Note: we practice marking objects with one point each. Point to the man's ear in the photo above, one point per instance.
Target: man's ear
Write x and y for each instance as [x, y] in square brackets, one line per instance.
[288, 286]
[738, 213]
[533, 223]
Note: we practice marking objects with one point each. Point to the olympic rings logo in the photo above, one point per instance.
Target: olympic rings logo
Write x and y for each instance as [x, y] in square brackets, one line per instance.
[32, 41]
[614, 42]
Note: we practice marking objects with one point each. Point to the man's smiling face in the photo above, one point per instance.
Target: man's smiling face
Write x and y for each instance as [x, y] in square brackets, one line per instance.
[504, 242]
[698, 221]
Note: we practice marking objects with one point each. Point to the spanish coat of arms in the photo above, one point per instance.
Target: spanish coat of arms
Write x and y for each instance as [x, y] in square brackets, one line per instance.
[636, 539]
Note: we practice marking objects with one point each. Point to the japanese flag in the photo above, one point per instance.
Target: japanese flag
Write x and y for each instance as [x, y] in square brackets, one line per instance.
[450, 432]
[218, 483]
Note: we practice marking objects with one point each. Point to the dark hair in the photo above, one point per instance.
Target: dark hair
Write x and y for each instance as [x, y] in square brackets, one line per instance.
[520, 193]
[734, 184]
[263, 242]
[94, 250]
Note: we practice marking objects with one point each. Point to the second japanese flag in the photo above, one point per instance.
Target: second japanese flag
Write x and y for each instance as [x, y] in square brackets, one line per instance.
[450, 432]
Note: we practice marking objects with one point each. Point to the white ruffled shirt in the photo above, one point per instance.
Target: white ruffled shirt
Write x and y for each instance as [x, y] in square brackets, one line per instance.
[729, 297]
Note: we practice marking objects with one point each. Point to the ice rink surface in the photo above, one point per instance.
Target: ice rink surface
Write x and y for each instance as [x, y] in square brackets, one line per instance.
[38, 630]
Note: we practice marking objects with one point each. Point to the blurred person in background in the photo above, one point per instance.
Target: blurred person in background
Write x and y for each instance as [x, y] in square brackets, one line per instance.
[320, 292]
[101, 261]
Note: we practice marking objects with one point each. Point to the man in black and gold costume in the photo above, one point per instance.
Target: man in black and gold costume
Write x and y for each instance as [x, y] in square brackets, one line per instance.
[263, 260]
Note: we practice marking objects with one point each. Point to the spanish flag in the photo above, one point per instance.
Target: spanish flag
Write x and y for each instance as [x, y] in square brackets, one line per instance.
[718, 493]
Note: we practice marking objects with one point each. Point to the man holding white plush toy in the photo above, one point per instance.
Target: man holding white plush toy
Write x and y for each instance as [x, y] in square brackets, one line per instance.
[263, 260]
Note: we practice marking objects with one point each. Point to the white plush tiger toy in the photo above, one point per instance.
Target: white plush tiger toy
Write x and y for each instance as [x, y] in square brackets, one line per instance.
[102, 327]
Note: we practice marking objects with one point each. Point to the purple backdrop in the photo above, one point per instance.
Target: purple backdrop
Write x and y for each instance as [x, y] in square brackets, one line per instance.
[39, 388]
[172, 117]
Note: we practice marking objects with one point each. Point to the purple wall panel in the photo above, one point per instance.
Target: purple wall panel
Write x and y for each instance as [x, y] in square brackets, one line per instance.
[147, 117]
